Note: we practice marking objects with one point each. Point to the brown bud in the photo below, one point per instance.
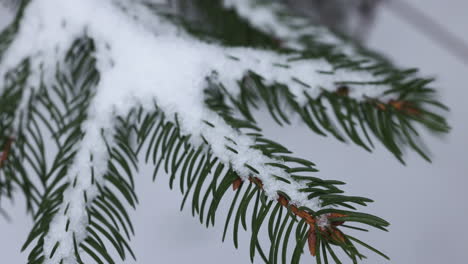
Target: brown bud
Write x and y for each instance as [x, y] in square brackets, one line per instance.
[283, 201]
[237, 184]
[336, 235]
[337, 215]
[412, 111]
[381, 106]
[397, 104]
[256, 181]
[406, 107]
[301, 213]
[312, 241]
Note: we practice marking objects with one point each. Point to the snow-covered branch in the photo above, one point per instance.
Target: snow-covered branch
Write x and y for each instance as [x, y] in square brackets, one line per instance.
[143, 58]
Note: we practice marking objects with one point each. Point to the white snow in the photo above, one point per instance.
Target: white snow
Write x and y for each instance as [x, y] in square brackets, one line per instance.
[145, 59]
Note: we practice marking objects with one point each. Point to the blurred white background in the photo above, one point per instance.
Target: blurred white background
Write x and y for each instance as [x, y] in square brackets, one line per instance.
[427, 204]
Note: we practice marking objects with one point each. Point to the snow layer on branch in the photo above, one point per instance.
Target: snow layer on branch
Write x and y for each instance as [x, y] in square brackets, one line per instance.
[143, 58]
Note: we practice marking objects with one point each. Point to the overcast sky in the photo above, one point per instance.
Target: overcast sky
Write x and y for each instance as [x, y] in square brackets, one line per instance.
[427, 204]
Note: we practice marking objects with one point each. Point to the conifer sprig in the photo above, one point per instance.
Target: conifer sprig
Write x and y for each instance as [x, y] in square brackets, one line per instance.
[42, 130]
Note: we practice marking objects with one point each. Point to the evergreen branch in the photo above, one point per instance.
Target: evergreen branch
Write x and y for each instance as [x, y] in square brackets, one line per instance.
[171, 150]
[9, 100]
[203, 177]
[390, 122]
[392, 117]
[52, 118]
[80, 201]
[330, 196]
[107, 215]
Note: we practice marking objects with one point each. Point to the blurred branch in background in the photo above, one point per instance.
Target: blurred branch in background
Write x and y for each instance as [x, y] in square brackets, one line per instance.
[10, 4]
[352, 18]
[430, 27]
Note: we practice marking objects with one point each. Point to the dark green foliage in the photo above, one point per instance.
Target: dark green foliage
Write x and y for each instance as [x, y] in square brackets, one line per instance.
[395, 128]
[53, 122]
[47, 134]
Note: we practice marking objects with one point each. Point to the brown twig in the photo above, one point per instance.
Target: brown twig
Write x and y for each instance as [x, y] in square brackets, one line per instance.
[329, 233]
[399, 105]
